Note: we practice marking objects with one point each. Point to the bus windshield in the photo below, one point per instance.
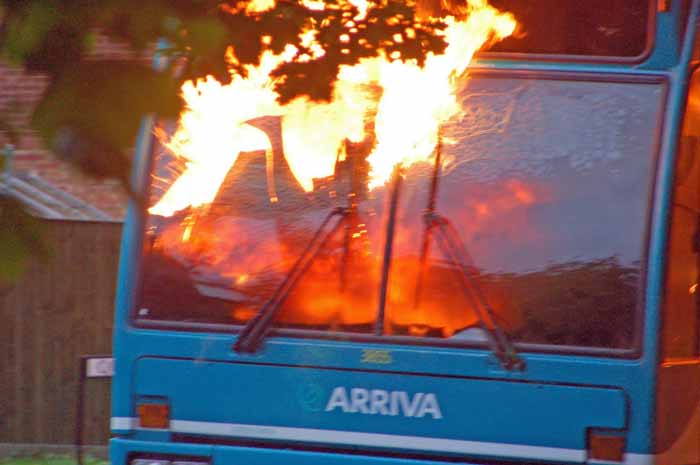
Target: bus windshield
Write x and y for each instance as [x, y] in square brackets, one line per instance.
[544, 187]
[603, 28]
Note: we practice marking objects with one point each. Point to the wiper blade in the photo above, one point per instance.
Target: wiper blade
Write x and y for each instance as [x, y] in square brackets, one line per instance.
[254, 331]
[453, 248]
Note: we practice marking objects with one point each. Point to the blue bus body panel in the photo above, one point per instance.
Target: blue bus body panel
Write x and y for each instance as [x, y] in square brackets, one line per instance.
[395, 411]
[623, 387]
[550, 405]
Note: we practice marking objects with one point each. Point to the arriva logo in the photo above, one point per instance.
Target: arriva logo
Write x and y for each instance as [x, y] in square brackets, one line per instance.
[381, 402]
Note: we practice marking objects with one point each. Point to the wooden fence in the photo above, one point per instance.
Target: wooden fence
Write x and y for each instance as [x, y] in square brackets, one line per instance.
[59, 309]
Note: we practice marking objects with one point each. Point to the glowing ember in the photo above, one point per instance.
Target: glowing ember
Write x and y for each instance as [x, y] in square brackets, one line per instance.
[259, 6]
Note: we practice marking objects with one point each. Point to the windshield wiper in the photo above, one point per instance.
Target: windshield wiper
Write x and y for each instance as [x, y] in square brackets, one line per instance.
[448, 240]
[453, 248]
[254, 331]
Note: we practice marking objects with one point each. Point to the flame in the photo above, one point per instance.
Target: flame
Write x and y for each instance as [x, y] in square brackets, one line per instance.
[414, 102]
[315, 5]
[260, 6]
[362, 7]
[397, 104]
[405, 140]
[238, 249]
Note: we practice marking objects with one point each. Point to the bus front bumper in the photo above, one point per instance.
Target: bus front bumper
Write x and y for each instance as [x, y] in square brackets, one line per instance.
[127, 452]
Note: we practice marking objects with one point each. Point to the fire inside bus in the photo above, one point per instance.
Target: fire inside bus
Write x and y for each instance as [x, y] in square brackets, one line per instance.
[475, 261]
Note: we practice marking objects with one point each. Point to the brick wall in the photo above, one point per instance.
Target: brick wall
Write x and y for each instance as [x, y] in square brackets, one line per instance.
[19, 93]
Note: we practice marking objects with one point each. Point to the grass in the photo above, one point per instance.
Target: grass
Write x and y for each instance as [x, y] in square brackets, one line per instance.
[50, 460]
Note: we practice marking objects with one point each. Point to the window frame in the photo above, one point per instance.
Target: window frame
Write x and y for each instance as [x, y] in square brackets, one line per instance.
[546, 57]
[693, 75]
[634, 351]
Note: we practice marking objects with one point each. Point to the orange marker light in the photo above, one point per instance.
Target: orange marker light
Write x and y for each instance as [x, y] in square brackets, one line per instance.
[153, 415]
[606, 447]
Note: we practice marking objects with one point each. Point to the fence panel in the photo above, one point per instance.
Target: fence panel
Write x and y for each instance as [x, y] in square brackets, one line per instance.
[60, 309]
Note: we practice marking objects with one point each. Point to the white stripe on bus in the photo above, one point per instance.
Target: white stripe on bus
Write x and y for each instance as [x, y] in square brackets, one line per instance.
[376, 440]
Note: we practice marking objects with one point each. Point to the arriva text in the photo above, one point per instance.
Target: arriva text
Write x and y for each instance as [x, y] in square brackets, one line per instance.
[381, 402]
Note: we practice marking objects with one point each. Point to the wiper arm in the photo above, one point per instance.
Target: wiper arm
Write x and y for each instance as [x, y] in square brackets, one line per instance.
[396, 182]
[448, 239]
[453, 248]
[254, 331]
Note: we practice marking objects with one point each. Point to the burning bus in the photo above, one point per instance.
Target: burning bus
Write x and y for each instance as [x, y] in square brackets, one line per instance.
[475, 261]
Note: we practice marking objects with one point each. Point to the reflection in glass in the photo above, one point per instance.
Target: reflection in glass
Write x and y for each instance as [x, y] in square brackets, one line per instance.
[545, 182]
[602, 28]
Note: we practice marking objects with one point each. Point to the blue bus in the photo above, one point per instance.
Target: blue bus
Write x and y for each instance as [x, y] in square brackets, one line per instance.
[534, 300]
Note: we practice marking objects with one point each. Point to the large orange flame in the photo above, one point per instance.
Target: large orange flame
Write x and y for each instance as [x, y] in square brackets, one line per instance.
[403, 104]
[414, 102]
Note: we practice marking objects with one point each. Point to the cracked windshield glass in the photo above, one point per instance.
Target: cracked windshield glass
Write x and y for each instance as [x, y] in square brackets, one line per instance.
[545, 203]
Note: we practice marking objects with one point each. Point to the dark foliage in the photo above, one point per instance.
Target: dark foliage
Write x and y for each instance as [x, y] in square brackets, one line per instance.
[581, 303]
[91, 110]
[99, 104]
[20, 235]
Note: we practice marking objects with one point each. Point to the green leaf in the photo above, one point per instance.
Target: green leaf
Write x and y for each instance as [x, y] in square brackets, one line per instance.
[138, 25]
[92, 113]
[22, 236]
[207, 35]
[306, 79]
[27, 25]
[205, 40]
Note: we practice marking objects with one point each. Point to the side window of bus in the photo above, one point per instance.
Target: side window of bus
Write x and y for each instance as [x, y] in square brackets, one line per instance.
[681, 322]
